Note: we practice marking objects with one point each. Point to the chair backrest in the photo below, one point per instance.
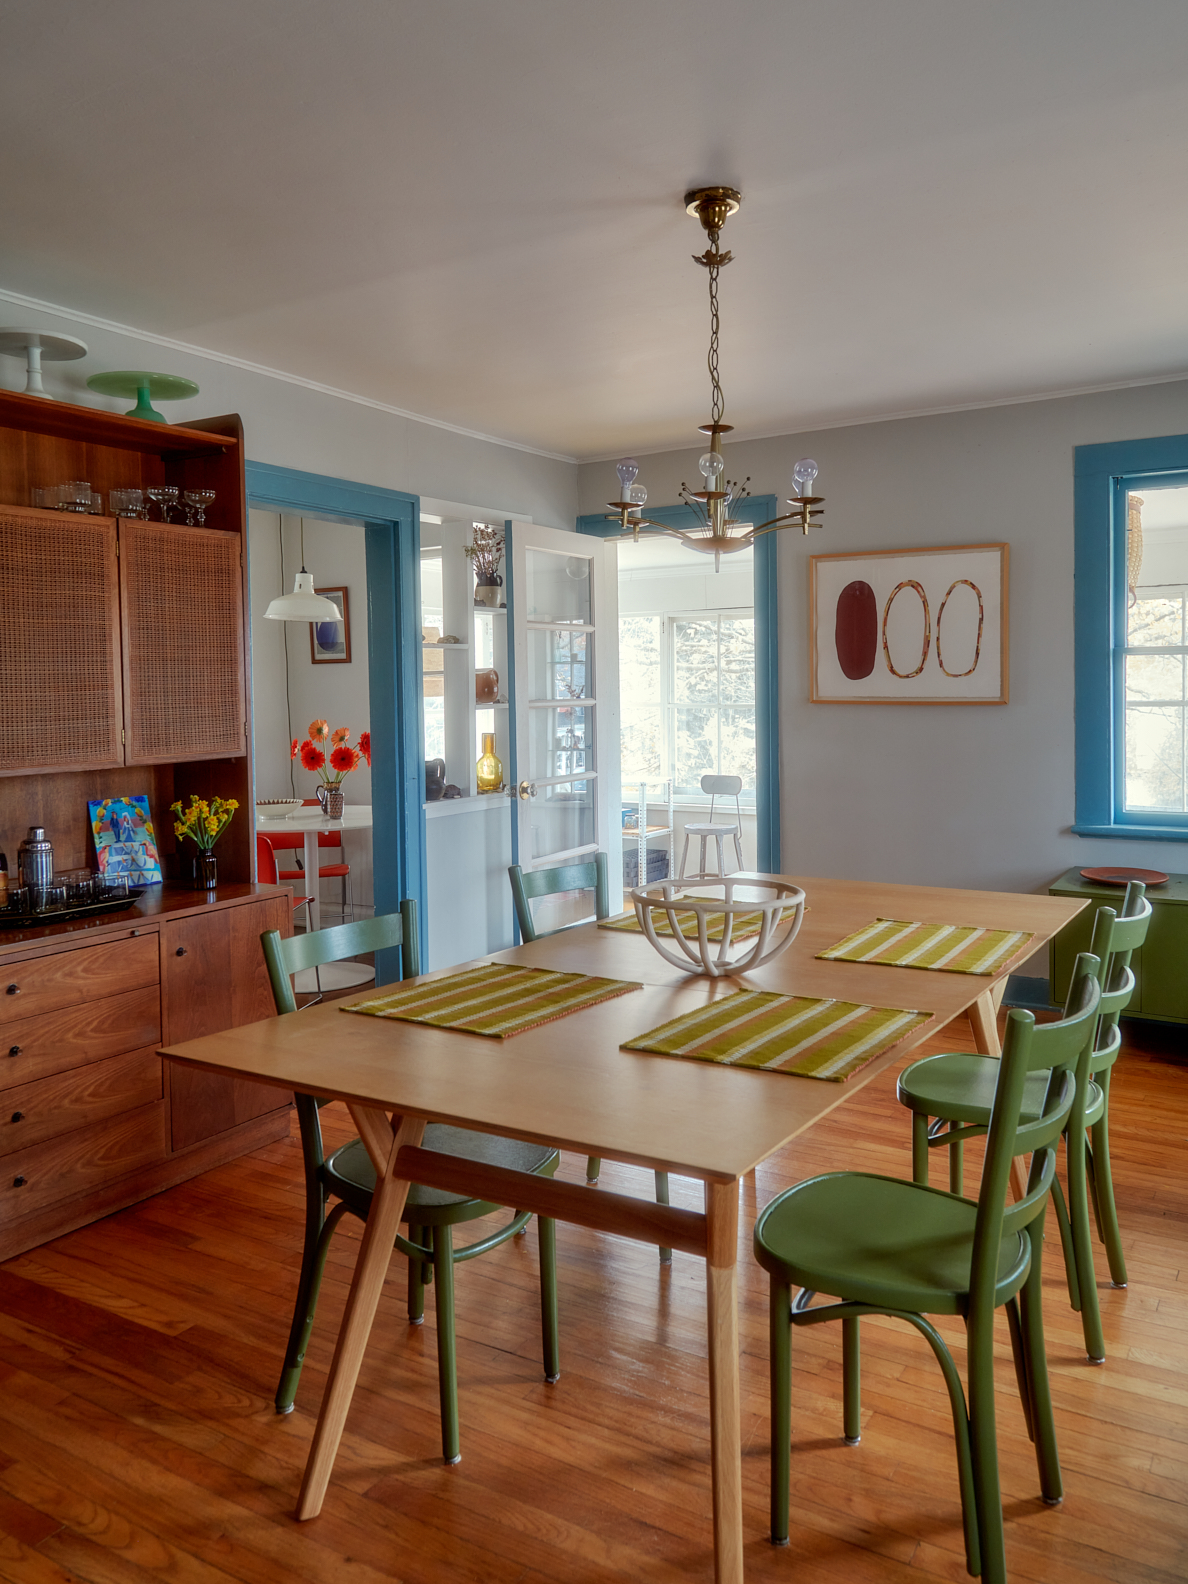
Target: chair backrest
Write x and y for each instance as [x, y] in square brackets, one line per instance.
[527, 885]
[1127, 934]
[1063, 1048]
[723, 786]
[266, 872]
[287, 957]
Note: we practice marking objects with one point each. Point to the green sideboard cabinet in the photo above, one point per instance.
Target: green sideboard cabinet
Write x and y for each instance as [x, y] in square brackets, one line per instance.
[1160, 966]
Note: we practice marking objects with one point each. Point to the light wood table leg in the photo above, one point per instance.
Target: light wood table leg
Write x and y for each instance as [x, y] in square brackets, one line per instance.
[383, 1138]
[983, 1017]
[721, 1208]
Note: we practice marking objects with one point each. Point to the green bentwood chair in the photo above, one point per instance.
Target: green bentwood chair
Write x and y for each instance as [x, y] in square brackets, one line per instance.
[950, 1098]
[526, 887]
[880, 1245]
[430, 1213]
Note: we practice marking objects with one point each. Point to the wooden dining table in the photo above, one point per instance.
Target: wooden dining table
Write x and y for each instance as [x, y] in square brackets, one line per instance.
[569, 1084]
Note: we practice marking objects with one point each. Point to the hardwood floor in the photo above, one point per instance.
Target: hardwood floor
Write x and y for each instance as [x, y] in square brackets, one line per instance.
[138, 1358]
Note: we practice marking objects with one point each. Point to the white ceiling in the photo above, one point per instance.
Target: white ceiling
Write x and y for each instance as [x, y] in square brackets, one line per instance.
[472, 209]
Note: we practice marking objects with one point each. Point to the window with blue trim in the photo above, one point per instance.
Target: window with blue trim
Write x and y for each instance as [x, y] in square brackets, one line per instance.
[1132, 639]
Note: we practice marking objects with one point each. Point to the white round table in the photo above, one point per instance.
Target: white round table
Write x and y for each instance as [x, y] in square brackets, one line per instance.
[309, 821]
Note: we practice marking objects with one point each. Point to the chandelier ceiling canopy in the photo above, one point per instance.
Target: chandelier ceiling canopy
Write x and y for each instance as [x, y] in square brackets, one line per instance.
[718, 533]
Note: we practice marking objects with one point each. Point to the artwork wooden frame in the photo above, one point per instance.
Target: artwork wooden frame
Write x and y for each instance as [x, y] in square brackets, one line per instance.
[880, 622]
[339, 652]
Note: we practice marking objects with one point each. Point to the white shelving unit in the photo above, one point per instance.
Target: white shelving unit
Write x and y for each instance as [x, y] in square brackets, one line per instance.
[641, 832]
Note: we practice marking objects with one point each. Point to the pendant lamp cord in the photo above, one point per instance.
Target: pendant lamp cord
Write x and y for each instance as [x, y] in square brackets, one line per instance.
[280, 530]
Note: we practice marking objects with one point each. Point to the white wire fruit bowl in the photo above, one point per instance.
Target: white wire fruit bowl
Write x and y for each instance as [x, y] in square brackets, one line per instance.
[714, 900]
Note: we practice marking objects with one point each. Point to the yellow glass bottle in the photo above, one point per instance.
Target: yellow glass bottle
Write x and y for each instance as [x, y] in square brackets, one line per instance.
[490, 767]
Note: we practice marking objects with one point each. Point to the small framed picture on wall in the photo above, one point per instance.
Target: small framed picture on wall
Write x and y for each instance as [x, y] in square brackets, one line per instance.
[330, 641]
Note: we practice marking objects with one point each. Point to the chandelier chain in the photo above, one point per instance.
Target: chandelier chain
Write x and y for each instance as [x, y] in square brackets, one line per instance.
[718, 405]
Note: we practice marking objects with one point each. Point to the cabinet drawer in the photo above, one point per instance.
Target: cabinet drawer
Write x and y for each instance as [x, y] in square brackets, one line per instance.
[76, 1163]
[44, 984]
[33, 1112]
[37, 1047]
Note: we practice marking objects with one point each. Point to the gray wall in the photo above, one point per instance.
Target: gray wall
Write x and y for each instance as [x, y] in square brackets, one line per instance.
[957, 795]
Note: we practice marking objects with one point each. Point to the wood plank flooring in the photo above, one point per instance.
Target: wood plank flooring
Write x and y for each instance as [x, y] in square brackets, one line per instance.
[138, 1358]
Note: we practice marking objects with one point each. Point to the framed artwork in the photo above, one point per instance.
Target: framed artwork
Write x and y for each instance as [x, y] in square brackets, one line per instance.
[910, 626]
[125, 842]
[330, 641]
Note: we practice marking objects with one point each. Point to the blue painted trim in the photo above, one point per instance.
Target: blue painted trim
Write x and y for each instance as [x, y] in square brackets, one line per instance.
[754, 509]
[1134, 832]
[1103, 474]
[392, 523]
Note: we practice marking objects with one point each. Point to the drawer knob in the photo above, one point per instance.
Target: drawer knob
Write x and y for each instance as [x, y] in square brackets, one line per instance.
[18, 1182]
[18, 1116]
[181, 951]
[14, 1050]
[13, 989]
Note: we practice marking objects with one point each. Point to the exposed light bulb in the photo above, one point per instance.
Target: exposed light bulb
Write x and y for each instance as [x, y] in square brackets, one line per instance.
[627, 470]
[803, 474]
[711, 465]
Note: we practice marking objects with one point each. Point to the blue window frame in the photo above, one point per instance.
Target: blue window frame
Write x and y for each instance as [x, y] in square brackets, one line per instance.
[1110, 793]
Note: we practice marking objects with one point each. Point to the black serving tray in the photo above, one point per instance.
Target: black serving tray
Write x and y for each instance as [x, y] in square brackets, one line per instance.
[65, 915]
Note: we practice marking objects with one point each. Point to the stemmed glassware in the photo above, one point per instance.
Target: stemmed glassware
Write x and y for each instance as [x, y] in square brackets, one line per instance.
[196, 501]
[164, 496]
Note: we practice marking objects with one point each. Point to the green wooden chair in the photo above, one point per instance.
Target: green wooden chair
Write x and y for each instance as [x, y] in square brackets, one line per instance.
[526, 887]
[950, 1098]
[880, 1245]
[430, 1213]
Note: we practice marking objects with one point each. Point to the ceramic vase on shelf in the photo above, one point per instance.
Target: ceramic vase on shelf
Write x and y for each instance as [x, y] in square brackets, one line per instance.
[206, 869]
[490, 768]
[488, 593]
[332, 799]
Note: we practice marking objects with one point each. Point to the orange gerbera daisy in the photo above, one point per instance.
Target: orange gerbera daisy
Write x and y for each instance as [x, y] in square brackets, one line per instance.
[312, 758]
[365, 745]
[343, 758]
[319, 730]
[340, 734]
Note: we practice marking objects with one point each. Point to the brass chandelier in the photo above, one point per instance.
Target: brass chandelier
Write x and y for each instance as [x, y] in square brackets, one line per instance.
[718, 534]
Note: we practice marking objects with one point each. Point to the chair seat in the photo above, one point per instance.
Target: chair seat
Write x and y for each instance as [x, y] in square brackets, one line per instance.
[881, 1241]
[325, 872]
[350, 1173]
[960, 1088]
[711, 830]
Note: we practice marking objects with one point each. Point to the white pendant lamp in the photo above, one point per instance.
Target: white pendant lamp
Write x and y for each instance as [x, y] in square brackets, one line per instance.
[303, 604]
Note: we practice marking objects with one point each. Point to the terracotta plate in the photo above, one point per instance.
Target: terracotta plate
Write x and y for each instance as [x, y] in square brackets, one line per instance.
[1120, 877]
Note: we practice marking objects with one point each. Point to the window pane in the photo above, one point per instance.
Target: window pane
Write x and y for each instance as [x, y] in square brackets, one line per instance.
[1155, 621]
[738, 746]
[639, 659]
[1151, 678]
[695, 662]
[643, 742]
[738, 660]
[1154, 758]
[557, 742]
[556, 665]
[696, 747]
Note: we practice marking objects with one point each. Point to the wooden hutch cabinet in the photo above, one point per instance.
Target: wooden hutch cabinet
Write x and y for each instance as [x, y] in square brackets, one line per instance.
[123, 669]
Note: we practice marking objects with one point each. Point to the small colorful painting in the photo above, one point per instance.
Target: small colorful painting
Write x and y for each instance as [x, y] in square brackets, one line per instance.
[330, 641]
[125, 843]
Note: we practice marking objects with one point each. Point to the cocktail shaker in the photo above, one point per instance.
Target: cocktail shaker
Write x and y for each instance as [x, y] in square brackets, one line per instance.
[35, 858]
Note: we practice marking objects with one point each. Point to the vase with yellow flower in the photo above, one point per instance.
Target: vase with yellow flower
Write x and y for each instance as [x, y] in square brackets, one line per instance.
[204, 822]
[342, 760]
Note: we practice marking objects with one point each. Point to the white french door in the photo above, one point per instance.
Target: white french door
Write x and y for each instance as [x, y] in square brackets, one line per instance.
[564, 696]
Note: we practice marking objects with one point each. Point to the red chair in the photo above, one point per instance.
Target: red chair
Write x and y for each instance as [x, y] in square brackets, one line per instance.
[268, 873]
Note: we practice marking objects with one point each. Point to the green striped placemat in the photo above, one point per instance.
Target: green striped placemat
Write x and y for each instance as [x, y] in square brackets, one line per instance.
[745, 924]
[955, 948]
[805, 1035]
[495, 999]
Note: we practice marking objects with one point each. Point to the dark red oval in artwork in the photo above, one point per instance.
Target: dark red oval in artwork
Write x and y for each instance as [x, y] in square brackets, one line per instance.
[856, 634]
